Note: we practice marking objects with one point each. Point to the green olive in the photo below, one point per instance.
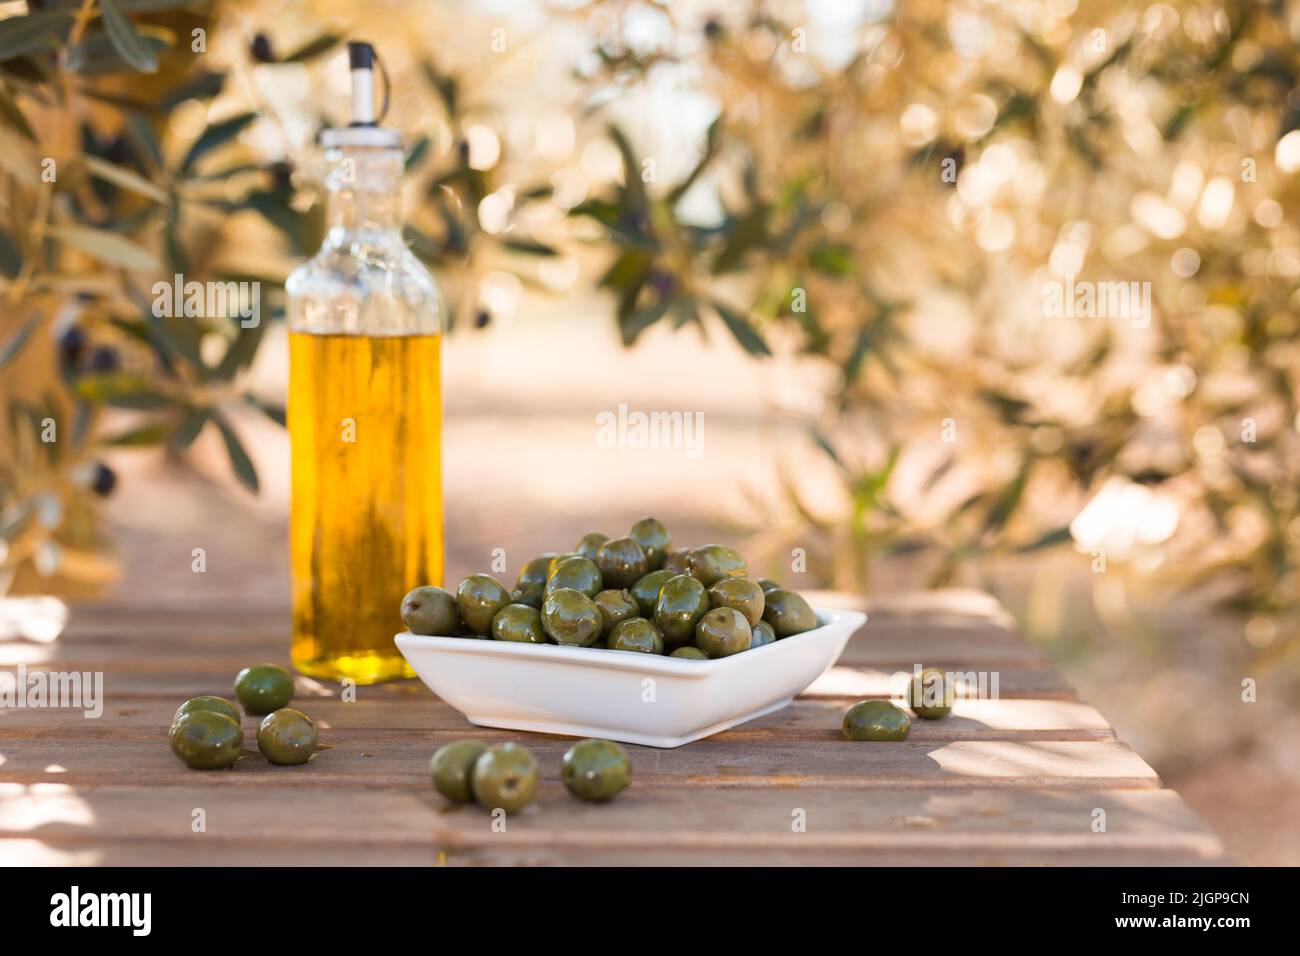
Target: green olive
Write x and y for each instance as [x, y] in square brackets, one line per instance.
[504, 778]
[788, 613]
[682, 602]
[575, 573]
[430, 610]
[647, 588]
[767, 584]
[876, 720]
[218, 705]
[590, 544]
[570, 617]
[479, 597]
[264, 688]
[739, 593]
[287, 736]
[689, 652]
[536, 569]
[206, 740]
[713, 562]
[723, 632]
[636, 634]
[675, 561]
[530, 593]
[654, 541]
[763, 634]
[452, 768]
[520, 623]
[596, 770]
[622, 562]
[615, 606]
[931, 695]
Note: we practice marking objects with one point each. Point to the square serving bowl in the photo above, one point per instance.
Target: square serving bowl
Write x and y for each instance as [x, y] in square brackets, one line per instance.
[623, 695]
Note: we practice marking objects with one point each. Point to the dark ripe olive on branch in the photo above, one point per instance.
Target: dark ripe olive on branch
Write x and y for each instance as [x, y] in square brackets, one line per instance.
[104, 480]
[260, 50]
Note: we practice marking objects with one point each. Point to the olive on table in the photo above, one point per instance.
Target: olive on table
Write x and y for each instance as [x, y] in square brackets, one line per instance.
[636, 634]
[589, 544]
[536, 569]
[595, 770]
[615, 605]
[739, 593]
[264, 688]
[530, 593]
[287, 736]
[575, 573]
[762, 635]
[570, 617]
[930, 694]
[622, 562]
[723, 632]
[788, 613]
[452, 768]
[647, 588]
[206, 740]
[654, 540]
[217, 705]
[713, 562]
[519, 623]
[689, 652]
[767, 584]
[675, 561]
[504, 778]
[682, 602]
[478, 598]
[876, 720]
[430, 610]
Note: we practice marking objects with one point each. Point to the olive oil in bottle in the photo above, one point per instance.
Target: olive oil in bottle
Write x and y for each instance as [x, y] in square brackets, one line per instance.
[364, 412]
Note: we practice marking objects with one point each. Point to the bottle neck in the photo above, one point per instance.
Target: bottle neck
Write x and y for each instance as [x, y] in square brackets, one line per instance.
[364, 194]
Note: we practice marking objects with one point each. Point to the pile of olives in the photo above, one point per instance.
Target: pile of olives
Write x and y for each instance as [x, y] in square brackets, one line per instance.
[206, 734]
[505, 777]
[633, 593]
[930, 696]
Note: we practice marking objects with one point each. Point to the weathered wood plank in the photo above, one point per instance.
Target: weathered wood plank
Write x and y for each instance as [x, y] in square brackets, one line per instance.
[107, 851]
[176, 678]
[845, 682]
[398, 758]
[928, 823]
[903, 630]
[144, 719]
[1011, 781]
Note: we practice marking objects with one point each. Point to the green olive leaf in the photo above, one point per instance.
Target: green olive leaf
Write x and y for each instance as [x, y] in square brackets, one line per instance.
[742, 330]
[308, 51]
[216, 135]
[106, 246]
[239, 460]
[189, 428]
[14, 344]
[152, 434]
[128, 43]
[121, 390]
[35, 33]
[125, 178]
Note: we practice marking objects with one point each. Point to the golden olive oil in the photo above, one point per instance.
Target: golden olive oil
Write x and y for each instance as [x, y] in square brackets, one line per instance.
[365, 424]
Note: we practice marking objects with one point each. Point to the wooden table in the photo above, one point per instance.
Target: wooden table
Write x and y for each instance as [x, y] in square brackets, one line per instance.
[1022, 783]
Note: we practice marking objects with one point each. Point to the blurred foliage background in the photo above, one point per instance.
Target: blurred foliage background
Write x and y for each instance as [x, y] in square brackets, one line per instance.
[879, 191]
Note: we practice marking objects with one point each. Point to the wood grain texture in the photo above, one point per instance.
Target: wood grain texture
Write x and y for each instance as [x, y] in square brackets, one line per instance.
[399, 759]
[1018, 780]
[143, 718]
[928, 823]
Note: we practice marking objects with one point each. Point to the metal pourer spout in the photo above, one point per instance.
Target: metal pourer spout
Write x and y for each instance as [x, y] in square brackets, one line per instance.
[361, 61]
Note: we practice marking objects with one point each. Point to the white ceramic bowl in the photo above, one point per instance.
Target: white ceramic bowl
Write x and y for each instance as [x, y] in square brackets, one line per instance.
[623, 695]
